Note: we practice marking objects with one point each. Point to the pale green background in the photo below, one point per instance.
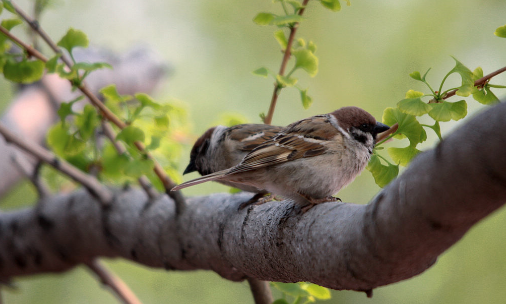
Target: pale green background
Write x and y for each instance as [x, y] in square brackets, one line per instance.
[366, 52]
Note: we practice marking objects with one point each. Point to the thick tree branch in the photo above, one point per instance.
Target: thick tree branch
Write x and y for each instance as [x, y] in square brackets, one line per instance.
[443, 193]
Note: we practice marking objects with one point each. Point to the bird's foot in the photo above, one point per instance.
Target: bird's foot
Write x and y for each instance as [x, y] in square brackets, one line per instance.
[258, 199]
[315, 201]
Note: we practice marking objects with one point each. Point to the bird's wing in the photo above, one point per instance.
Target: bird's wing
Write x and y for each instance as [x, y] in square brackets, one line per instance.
[305, 138]
[253, 135]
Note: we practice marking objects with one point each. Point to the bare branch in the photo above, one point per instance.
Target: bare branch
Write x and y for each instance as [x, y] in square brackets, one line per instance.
[34, 177]
[261, 291]
[117, 286]
[400, 234]
[92, 184]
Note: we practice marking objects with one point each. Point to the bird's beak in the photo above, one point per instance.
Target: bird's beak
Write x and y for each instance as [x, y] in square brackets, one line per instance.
[191, 167]
[379, 128]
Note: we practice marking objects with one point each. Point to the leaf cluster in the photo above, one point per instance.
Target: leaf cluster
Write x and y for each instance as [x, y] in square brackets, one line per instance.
[433, 104]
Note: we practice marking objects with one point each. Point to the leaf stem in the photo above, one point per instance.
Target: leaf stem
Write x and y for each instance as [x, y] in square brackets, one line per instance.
[286, 57]
[480, 81]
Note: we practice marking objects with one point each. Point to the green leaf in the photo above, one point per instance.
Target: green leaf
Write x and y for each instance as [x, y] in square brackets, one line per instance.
[332, 5]
[445, 111]
[287, 19]
[147, 101]
[292, 289]
[413, 104]
[1, 7]
[311, 46]
[113, 164]
[307, 101]
[408, 125]
[300, 43]
[306, 60]
[57, 138]
[467, 78]
[382, 174]
[262, 116]
[154, 144]
[403, 156]
[485, 96]
[295, 4]
[162, 121]
[10, 23]
[136, 168]
[89, 67]
[73, 38]
[87, 121]
[24, 71]
[8, 6]
[66, 109]
[477, 73]
[130, 135]
[501, 31]
[52, 63]
[414, 94]
[111, 94]
[416, 75]
[60, 70]
[63, 143]
[318, 292]
[281, 39]
[264, 18]
[261, 72]
[285, 81]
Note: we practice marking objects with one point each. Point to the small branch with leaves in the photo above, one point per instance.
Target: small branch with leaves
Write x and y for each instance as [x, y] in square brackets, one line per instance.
[303, 52]
[76, 73]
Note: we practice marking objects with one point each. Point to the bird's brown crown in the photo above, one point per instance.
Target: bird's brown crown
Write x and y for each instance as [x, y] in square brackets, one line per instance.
[348, 117]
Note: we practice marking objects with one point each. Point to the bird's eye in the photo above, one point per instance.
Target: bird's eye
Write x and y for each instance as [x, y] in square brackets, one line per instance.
[364, 127]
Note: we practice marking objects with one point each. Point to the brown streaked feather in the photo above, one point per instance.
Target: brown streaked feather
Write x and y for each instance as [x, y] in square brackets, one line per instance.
[298, 140]
[253, 135]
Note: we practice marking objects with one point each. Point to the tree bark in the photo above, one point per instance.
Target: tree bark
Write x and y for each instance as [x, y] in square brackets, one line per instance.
[399, 234]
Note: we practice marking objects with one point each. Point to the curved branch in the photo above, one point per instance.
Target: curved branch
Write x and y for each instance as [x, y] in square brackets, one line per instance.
[398, 235]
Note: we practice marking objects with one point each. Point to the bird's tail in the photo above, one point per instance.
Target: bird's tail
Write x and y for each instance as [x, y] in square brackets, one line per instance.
[200, 180]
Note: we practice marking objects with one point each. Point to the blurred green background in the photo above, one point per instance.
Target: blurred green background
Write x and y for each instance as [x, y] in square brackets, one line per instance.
[366, 52]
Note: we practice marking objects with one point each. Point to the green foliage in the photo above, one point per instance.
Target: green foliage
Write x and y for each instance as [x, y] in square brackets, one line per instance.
[11, 23]
[501, 31]
[437, 108]
[25, 71]
[303, 53]
[72, 39]
[301, 292]
[8, 6]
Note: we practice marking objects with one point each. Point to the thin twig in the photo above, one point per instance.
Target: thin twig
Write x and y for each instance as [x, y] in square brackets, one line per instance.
[89, 182]
[34, 24]
[143, 180]
[479, 82]
[34, 177]
[384, 135]
[284, 62]
[261, 291]
[166, 181]
[116, 285]
[31, 51]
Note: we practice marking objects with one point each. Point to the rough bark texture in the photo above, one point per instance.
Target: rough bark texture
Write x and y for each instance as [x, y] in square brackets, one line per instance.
[443, 193]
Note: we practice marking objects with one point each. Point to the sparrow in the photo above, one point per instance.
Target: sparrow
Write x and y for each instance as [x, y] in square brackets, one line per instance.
[220, 148]
[309, 160]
